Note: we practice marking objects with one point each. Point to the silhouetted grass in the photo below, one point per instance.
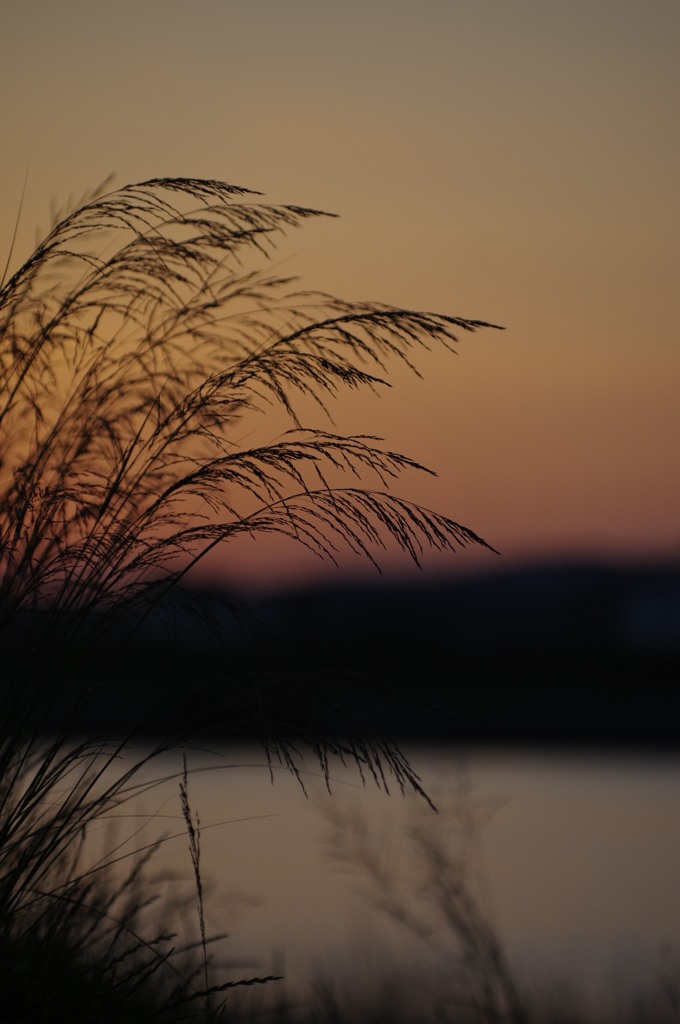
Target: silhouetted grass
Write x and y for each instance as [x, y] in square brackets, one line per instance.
[426, 882]
[133, 342]
[445, 960]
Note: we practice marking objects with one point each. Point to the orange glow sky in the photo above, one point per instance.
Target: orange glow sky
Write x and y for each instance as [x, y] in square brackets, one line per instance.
[516, 162]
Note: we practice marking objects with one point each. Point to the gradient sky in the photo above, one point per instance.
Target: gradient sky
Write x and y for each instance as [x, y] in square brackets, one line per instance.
[516, 162]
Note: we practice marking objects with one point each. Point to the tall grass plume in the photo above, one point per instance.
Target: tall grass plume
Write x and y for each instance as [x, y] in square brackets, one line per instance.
[135, 341]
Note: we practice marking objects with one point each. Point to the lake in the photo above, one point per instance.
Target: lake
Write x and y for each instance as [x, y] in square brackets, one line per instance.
[572, 856]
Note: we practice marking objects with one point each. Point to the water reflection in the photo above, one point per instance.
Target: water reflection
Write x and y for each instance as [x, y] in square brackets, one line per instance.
[574, 860]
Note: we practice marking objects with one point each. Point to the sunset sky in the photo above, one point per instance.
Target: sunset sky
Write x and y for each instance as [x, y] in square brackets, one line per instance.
[516, 162]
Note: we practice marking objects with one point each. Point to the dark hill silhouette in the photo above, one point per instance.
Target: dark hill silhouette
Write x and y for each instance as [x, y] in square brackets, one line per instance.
[556, 654]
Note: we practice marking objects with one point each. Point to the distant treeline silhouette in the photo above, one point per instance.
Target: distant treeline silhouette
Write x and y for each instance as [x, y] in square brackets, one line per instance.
[564, 653]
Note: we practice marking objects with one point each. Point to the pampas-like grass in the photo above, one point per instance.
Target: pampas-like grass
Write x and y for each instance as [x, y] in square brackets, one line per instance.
[134, 341]
[124, 374]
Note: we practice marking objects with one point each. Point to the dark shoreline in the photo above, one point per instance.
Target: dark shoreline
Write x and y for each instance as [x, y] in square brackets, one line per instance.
[563, 655]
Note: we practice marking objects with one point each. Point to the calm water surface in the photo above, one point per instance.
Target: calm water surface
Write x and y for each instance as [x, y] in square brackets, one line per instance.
[575, 858]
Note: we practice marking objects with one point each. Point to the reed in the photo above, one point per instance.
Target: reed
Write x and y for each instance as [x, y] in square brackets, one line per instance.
[135, 341]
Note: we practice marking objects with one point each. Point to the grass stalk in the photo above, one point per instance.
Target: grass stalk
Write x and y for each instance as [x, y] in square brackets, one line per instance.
[135, 340]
